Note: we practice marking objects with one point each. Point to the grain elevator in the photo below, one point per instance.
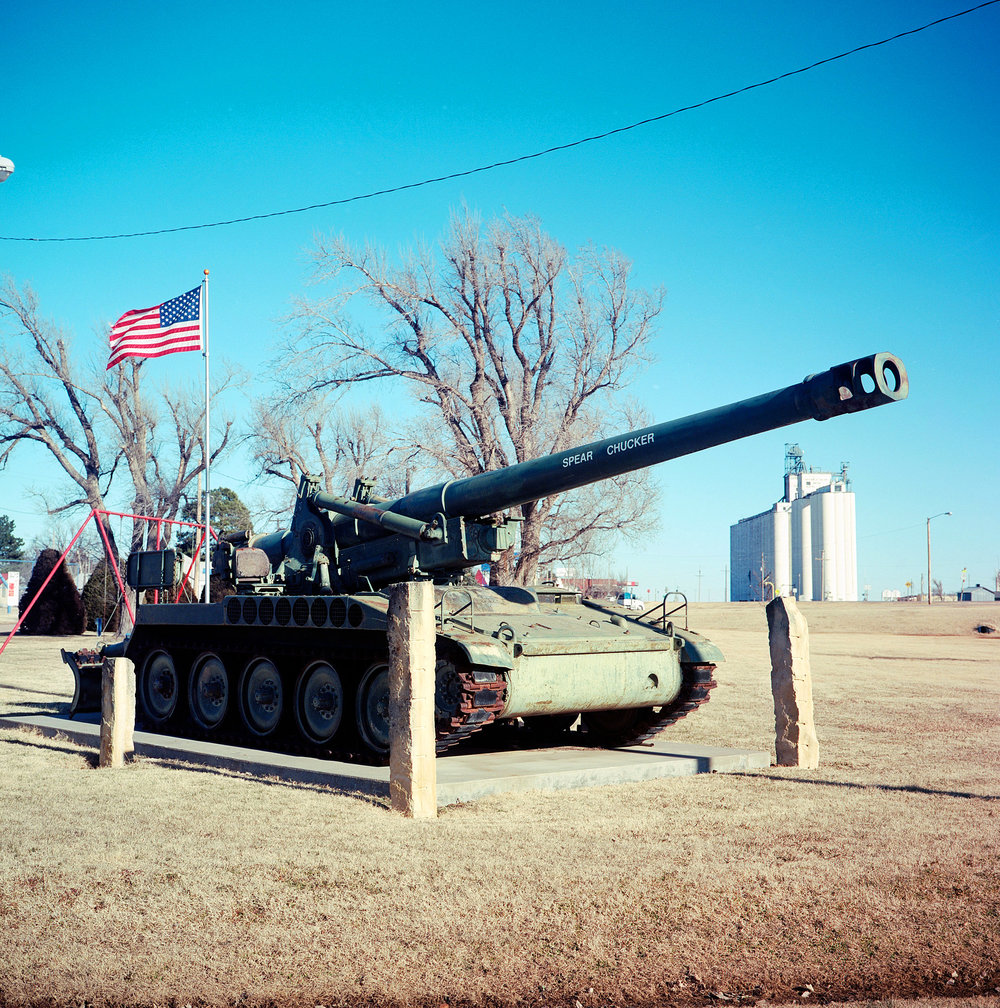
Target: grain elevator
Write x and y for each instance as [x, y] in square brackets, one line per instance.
[804, 546]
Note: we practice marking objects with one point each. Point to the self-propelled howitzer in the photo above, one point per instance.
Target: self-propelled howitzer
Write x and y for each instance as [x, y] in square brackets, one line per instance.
[298, 658]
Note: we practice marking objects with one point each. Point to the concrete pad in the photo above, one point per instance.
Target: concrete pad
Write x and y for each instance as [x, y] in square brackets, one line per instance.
[464, 776]
[470, 776]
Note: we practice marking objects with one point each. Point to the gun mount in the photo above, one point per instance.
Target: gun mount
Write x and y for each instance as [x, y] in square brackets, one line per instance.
[297, 659]
[338, 544]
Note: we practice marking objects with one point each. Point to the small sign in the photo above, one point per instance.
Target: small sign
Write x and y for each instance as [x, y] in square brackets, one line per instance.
[13, 588]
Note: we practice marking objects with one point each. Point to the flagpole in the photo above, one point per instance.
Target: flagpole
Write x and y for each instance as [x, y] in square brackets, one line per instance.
[208, 454]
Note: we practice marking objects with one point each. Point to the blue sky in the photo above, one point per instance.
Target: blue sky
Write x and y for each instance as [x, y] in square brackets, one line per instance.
[847, 210]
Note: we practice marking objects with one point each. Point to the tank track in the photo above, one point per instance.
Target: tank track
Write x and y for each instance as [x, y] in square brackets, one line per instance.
[485, 698]
[697, 683]
[482, 694]
[477, 696]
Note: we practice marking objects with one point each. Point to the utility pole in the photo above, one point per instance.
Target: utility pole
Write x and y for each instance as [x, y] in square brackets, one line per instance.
[725, 583]
[699, 584]
[939, 515]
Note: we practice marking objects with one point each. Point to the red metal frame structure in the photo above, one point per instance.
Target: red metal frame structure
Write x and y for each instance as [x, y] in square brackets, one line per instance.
[112, 559]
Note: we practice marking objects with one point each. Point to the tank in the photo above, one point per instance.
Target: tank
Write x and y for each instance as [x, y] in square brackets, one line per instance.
[297, 658]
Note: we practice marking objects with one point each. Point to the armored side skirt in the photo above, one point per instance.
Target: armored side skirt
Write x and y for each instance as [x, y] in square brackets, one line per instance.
[554, 662]
[570, 683]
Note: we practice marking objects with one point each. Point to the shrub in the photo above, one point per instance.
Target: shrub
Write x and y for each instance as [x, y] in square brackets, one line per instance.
[58, 611]
[102, 599]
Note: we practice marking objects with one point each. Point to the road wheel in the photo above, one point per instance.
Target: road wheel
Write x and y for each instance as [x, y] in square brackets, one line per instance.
[208, 691]
[319, 702]
[550, 727]
[261, 697]
[372, 708]
[615, 727]
[159, 687]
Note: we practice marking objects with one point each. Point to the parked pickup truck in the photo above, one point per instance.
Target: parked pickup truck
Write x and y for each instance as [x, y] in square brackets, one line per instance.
[629, 601]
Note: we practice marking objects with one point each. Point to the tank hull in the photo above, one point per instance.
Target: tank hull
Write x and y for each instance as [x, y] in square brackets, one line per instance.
[278, 671]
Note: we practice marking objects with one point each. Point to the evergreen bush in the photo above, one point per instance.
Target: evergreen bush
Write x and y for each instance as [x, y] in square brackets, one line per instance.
[58, 611]
[102, 599]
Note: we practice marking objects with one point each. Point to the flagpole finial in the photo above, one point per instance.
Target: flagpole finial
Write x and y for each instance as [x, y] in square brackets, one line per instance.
[206, 272]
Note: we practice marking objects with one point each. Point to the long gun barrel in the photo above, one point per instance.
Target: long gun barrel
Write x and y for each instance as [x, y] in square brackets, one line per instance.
[435, 530]
[847, 388]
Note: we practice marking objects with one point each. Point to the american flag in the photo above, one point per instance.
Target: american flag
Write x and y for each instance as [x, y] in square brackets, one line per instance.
[171, 327]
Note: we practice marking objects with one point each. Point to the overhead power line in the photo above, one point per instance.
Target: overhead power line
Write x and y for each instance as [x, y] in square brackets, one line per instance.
[514, 160]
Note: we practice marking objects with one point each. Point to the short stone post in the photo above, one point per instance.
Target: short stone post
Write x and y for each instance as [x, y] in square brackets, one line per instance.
[412, 768]
[795, 741]
[117, 712]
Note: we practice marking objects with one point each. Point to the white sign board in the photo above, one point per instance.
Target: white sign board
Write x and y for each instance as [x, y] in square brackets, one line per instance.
[13, 588]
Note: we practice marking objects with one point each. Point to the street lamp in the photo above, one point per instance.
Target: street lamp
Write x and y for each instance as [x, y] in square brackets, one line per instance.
[938, 515]
[6, 168]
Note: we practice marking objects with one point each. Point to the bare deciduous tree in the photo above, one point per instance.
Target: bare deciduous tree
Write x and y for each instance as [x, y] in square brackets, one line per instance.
[513, 351]
[307, 435]
[44, 399]
[91, 421]
[162, 465]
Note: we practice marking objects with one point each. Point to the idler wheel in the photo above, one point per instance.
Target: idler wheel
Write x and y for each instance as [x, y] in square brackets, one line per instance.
[208, 691]
[319, 702]
[261, 697]
[372, 708]
[448, 693]
[159, 687]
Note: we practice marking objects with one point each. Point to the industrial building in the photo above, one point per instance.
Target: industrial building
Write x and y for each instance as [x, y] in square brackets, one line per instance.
[804, 546]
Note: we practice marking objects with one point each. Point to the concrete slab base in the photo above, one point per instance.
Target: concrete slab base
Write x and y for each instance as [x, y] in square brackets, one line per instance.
[464, 776]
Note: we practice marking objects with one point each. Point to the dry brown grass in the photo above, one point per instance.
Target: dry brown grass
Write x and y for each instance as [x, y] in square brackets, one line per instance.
[875, 877]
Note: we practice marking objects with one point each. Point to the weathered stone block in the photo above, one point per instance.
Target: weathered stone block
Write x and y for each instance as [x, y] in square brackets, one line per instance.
[412, 765]
[117, 712]
[795, 741]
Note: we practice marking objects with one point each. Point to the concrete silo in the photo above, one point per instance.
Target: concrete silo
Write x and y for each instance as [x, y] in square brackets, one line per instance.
[805, 545]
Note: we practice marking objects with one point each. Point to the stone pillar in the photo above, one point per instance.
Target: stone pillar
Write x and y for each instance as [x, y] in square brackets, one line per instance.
[117, 712]
[412, 768]
[795, 741]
